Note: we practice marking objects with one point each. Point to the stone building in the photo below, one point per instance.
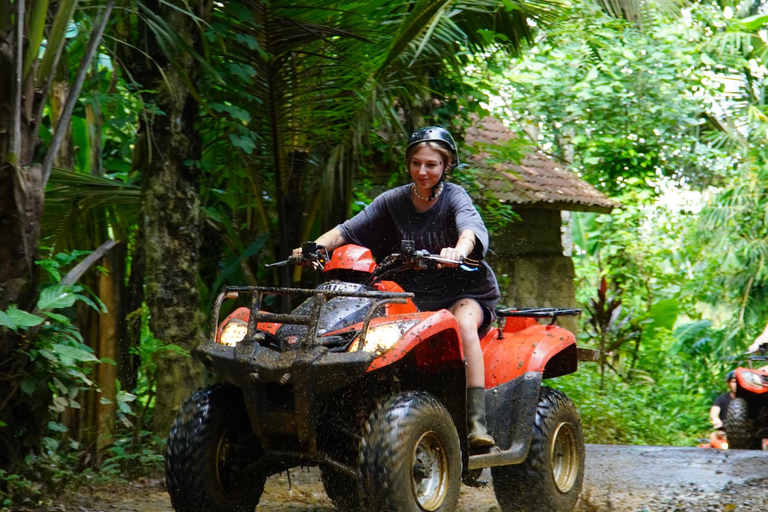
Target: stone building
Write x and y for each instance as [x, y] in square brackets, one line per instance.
[532, 256]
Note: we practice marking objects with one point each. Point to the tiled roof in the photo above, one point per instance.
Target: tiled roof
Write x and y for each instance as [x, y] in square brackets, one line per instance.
[537, 181]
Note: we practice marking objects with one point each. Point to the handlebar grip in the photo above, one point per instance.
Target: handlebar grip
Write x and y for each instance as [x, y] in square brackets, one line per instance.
[310, 252]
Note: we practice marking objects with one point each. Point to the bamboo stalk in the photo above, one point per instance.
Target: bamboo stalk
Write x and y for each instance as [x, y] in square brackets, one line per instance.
[36, 26]
[90, 52]
[56, 42]
[47, 69]
[15, 153]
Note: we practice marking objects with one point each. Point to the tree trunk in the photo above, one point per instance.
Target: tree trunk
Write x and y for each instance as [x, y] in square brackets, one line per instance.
[21, 210]
[171, 217]
[22, 186]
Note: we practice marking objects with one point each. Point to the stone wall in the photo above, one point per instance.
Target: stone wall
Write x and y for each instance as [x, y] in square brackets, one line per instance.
[529, 262]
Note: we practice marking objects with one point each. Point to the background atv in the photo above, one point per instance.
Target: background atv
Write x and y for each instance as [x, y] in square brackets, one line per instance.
[359, 382]
[747, 416]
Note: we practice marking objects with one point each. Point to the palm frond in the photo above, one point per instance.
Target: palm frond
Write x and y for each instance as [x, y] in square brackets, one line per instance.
[79, 205]
[635, 10]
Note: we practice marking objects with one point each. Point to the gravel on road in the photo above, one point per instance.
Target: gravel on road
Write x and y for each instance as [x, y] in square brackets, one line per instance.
[617, 479]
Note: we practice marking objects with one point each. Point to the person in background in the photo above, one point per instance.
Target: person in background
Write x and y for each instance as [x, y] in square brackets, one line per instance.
[719, 409]
[438, 216]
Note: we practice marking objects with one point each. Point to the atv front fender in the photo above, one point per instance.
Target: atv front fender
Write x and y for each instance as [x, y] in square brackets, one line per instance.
[748, 378]
[435, 343]
[547, 349]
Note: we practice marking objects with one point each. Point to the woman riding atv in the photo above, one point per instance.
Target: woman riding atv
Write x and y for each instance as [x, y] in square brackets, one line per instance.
[439, 217]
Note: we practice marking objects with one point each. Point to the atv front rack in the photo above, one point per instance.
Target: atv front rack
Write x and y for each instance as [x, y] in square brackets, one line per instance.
[312, 319]
[552, 313]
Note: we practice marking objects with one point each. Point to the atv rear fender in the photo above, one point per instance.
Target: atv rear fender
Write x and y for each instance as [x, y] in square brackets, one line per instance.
[546, 349]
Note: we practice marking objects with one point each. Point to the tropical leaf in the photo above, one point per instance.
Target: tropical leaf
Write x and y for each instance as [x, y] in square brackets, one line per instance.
[16, 318]
[583, 223]
[55, 297]
[6, 321]
[663, 314]
[75, 353]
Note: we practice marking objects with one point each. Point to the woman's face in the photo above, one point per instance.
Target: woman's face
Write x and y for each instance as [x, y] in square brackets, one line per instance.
[426, 168]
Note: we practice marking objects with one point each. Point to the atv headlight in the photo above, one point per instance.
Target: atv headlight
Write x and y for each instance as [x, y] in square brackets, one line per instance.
[753, 378]
[383, 337]
[234, 332]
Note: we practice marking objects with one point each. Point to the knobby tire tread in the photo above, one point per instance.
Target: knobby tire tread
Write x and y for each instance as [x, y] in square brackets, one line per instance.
[739, 429]
[529, 487]
[381, 456]
[196, 428]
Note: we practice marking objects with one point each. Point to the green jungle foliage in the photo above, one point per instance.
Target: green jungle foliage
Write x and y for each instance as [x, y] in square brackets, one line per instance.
[667, 116]
[63, 367]
[295, 137]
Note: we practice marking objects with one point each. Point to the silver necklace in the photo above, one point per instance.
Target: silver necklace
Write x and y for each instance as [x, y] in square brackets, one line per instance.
[416, 191]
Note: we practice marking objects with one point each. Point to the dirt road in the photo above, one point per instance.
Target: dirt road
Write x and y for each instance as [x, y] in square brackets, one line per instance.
[617, 479]
[662, 478]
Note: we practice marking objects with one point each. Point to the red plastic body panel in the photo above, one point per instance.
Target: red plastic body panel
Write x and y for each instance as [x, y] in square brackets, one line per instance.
[720, 442]
[434, 342]
[741, 378]
[395, 309]
[527, 350]
[518, 323]
[351, 257]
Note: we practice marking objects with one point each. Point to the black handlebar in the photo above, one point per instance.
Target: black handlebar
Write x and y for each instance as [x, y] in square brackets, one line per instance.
[317, 256]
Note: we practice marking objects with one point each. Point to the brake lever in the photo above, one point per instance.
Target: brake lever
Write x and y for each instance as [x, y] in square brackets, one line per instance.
[466, 264]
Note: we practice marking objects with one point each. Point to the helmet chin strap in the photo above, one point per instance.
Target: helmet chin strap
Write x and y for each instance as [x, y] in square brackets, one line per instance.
[437, 186]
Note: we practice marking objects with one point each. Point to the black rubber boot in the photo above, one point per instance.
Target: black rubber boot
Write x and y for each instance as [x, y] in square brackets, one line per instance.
[478, 433]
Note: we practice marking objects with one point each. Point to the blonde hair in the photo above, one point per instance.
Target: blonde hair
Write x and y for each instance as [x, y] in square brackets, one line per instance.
[445, 153]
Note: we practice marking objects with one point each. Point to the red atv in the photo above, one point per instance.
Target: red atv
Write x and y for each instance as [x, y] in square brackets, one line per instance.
[720, 442]
[359, 382]
[746, 423]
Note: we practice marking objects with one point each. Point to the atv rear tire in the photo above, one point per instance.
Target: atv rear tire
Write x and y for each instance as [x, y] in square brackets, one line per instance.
[410, 458]
[552, 474]
[210, 452]
[739, 426]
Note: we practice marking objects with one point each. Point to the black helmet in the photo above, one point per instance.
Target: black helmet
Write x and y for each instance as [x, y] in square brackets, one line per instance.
[730, 375]
[439, 135]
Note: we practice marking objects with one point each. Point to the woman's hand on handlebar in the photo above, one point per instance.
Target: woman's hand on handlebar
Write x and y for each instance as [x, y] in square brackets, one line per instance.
[453, 254]
[310, 253]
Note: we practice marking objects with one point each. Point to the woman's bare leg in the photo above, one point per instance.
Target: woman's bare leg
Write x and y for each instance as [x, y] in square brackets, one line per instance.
[469, 314]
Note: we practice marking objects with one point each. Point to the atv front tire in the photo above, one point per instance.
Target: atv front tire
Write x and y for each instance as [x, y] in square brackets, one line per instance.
[551, 477]
[410, 458]
[210, 454]
[739, 426]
